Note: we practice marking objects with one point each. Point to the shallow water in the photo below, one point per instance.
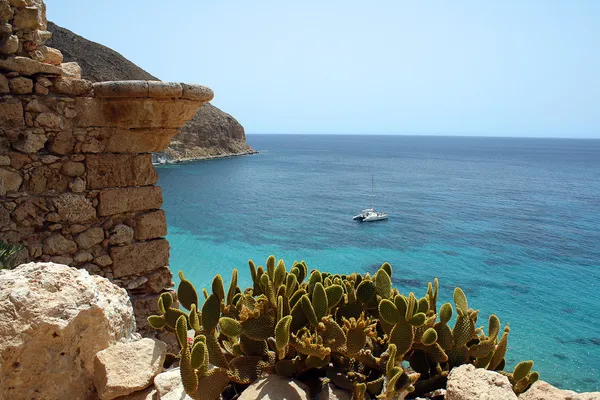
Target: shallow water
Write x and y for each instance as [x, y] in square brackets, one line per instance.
[514, 222]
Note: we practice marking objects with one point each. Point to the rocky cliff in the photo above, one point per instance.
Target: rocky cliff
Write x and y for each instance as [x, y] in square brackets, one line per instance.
[211, 133]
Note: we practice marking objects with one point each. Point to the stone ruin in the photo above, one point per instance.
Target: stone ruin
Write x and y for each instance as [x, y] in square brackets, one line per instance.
[77, 184]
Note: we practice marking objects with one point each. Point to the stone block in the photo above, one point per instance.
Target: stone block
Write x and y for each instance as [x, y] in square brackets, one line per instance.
[128, 367]
[11, 113]
[117, 201]
[140, 257]
[50, 121]
[52, 56]
[28, 66]
[72, 86]
[120, 234]
[29, 18]
[30, 143]
[74, 208]
[134, 112]
[121, 89]
[197, 92]
[73, 169]
[62, 143]
[10, 181]
[158, 89]
[119, 170]
[139, 140]
[90, 237]
[31, 212]
[10, 45]
[71, 70]
[4, 88]
[57, 244]
[21, 85]
[151, 225]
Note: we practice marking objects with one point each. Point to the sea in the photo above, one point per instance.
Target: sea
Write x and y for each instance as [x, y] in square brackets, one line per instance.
[514, 222]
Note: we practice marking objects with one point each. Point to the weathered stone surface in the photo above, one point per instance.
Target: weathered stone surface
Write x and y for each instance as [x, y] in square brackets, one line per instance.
[122, 89]
[71, 70]
[275, 387]
[72, 86]
[29, 18]
[10, 45]
[73, 169]
[10, 181]
[125, 368]
[6, 13]
[116, 201]
[151, 225]
[139, 140]
[118, 170]
[62, 143]
[4, 218]
[57, 244]
[28, 66]
[197, 92]
[158, 280]
[120, 234]
[21, 85]
[149, 393]
[50, 120]
[11, 113]
[467, 383]
[169, 387]
[4, 88]
[31, 143]
[53, 321]
[74, 208]
[45, 178]
[139, 257]
[544, 391]
[134, 113]
[89, 238]
[31, 212]
[157, 89]
[52, 56]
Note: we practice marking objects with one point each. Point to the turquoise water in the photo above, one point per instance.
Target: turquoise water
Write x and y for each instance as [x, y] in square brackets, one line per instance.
[514, 222]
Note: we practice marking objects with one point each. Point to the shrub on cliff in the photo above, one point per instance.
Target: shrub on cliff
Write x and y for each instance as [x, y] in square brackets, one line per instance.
[354, 329]
[8, 255]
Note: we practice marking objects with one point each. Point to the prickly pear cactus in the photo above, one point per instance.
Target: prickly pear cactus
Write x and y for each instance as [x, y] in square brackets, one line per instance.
[355, 330]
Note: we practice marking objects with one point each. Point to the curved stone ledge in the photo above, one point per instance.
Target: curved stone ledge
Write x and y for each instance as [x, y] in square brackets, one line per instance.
[152, 89]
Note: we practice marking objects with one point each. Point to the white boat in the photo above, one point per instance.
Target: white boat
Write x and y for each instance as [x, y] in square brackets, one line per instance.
[369, 214]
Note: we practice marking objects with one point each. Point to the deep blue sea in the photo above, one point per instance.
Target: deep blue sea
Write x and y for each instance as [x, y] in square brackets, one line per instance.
[514, 222]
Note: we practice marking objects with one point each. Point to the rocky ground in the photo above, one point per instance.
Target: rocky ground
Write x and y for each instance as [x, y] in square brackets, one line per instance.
[211, 133]
[83, 327]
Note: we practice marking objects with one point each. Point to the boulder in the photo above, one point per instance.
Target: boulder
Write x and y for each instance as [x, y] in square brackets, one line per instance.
[544, 391]
[169, 386]
[468, 383]
[53, 321]
[275, 387]
[125, 368]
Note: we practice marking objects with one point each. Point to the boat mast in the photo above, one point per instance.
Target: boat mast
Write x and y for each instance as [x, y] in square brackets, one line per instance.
[372, 192]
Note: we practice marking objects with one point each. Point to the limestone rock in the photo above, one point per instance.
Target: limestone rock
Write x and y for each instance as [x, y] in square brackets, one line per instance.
[31, 143]
[11, 113]
[89, 238]
[21, 85]
[139, 257]
[10, 181]
[10, 45]
[62, 143]
[275, 387]
[147, 394]
[544, 391]
[71, 70]
[31, 212]
[73, 169]
[121, 234]
[468, 383]
[74, 208]
[117, 201]
[52, 56]
[50, 120]
[169, 387]
[29, 18]
[6, 12]
[151, 225]
[57, 244]
[4, 88]
[72, 86]
[28, 66]
[128, 367]
[53, 321]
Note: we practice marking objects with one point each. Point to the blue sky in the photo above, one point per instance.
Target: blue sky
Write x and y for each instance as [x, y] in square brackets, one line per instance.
[498, 68]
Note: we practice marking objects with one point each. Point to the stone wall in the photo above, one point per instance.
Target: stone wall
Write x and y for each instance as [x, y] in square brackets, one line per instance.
[77, 185]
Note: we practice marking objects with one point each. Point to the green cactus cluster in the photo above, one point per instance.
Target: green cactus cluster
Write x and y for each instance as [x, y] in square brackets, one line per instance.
[8, 254]
[356, 331]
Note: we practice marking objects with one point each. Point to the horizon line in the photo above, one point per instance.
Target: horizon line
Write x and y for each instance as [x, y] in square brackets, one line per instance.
[457, 135]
